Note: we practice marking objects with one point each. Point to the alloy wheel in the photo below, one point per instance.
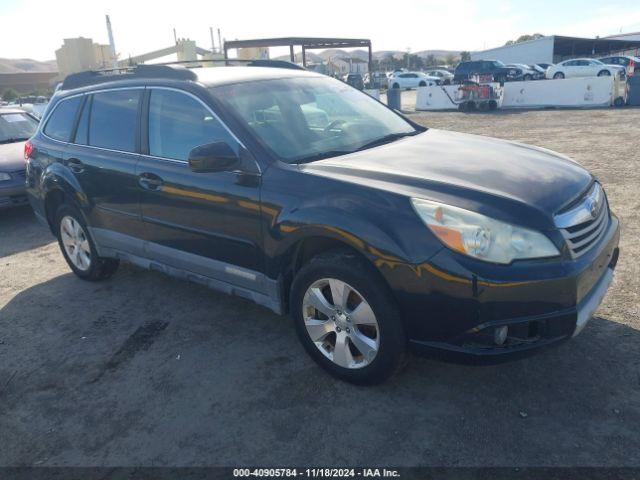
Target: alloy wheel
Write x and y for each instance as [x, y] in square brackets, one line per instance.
[75, 242]
[341, 323]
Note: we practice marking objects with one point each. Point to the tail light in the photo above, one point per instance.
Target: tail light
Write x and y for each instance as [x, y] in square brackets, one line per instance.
[632, 67]
[28, 150]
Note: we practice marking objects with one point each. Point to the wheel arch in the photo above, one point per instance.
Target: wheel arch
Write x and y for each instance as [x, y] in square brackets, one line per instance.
[306, 242]
[60, 186]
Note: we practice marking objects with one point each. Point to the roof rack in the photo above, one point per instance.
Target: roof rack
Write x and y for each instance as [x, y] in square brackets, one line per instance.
[230, 62]
[181, 70]
[93, 77]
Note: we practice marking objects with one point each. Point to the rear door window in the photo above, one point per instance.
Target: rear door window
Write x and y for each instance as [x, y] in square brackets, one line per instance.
[114, 117]
[60, 123]
[178, 123]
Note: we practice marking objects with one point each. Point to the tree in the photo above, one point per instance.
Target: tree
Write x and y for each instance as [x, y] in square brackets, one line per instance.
[431, 60]
[465, 56]
[525, 38]
[9, 95]
[450, 59]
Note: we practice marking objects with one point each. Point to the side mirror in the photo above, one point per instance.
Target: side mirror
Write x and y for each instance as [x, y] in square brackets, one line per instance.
[213, 157]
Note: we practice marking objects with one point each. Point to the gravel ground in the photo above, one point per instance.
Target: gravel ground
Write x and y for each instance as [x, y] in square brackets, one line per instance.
[147, 370]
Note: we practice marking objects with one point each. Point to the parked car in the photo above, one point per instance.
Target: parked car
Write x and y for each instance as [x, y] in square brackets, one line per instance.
[355, 80]
[377, 235]
[445, 76]
[631, 64]
[583, 67]
[375, 80]
[544, 66]
[16, 126]
[526, 72]
[412, 80]
[498, 70]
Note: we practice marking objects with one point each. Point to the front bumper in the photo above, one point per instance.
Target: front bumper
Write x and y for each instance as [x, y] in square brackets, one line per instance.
[453, 305]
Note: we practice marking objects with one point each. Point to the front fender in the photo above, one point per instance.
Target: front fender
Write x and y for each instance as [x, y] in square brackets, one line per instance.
[325, 222]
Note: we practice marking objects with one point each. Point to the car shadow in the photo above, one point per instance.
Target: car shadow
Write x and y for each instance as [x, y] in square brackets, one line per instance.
[107, 372]
[21, 231]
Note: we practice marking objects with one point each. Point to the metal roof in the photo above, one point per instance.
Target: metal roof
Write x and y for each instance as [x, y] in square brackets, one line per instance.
[581, 47]
[307, 42]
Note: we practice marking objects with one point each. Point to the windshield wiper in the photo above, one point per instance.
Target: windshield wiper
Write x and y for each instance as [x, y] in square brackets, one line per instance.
[322, 155]
[14, 139]
[392, 137]
[374, 143]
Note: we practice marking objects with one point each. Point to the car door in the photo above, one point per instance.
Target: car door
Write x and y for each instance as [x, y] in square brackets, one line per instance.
[585, 68]
[569, 68]
[206, 223]
[102, 155]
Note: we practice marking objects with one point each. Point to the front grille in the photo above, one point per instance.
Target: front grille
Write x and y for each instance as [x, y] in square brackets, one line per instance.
[584, 224]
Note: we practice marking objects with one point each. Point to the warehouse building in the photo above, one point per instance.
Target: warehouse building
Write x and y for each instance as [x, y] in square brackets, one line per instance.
[556, 48]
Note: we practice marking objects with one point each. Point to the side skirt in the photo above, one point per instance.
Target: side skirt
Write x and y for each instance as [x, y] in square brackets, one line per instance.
[220, 276]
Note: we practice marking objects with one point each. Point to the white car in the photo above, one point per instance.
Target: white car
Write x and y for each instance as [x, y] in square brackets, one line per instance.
[445, 76]
[411, 80]
[527, 71]
[582, 67]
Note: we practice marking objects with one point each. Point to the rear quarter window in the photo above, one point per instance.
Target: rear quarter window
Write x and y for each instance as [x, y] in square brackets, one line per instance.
[61, 121]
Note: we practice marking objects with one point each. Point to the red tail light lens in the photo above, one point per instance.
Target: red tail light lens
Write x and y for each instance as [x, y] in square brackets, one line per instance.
[28, 150]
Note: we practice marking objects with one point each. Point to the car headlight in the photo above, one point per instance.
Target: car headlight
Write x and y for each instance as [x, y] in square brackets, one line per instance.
[4, 177]
[482, 237]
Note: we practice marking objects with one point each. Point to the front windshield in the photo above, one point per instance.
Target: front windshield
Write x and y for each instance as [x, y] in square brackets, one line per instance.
[304, 119]
[15, 127]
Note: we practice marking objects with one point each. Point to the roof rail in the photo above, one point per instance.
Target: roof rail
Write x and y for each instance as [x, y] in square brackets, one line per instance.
[230, 62]
[94, 77]
[181, 70]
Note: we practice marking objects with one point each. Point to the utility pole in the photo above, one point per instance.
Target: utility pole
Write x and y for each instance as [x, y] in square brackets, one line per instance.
[175, 37]
[213, 44]
[112, 43]
[219, 41]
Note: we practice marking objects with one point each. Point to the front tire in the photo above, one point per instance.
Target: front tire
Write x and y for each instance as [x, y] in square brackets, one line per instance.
[558, 76]
[604, 73]
[347, 319]
[78, 247]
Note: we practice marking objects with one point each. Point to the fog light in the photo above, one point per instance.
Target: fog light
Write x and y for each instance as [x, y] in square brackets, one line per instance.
[500, 335]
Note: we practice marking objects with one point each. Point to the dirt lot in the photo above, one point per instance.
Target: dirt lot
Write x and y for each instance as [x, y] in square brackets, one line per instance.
[147, 370]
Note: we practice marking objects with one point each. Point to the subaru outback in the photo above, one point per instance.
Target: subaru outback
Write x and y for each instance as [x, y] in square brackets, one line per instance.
[303, 194]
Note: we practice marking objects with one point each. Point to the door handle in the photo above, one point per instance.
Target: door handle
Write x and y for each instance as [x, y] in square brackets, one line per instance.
[150, 181]
[75, 165]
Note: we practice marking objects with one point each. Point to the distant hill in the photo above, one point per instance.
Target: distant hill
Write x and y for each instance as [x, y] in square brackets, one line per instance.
[22, 65]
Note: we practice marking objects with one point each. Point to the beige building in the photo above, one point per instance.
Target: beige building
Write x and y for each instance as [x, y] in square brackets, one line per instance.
[79, 54]
[259, 53]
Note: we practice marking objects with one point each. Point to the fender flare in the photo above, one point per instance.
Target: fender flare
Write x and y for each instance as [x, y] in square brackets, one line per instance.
[57, 177]
[333, 224]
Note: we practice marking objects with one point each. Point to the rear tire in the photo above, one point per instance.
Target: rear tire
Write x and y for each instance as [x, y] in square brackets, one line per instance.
[395, 85]
[78, 247]
[422, 84]
[527, 78]
[343, 323]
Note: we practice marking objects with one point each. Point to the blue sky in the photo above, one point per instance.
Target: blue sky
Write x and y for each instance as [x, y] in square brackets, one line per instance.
[36, 28]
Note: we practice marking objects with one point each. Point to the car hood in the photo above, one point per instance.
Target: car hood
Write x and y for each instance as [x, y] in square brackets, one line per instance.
[11, 157]
[456, 164]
